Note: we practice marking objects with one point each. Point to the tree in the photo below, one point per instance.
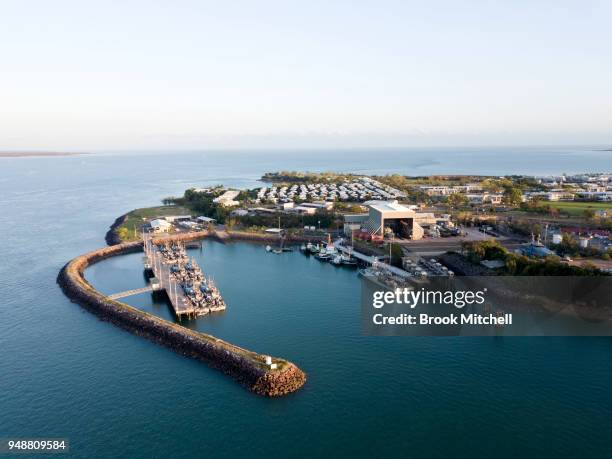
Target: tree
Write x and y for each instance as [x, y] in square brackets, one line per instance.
[511, 264]
[396, 255]
[568, 245]
[589, 214]
[123, 233]
[456, 200]
[513, 196]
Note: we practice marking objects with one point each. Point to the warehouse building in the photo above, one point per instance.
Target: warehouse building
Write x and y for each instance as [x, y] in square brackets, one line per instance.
[384, 217]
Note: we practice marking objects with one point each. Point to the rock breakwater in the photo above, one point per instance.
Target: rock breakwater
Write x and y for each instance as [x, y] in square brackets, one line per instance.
[246, 367]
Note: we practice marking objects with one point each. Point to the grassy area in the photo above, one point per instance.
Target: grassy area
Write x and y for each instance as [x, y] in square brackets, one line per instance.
[576, 209]
[136, 218]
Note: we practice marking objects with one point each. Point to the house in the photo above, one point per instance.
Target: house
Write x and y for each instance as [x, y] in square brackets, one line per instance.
[177, 218]
[596, 196]
[325, 205]
[485, 198]
[287, 206]
[556, 195]
[188, 225]
[160, 226]
[228, 198]
[206, 220]
[304, 210]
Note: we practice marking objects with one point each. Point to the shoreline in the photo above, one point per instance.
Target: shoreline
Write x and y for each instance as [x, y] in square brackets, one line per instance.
[246, 367]
[112, 237]
[39, 154]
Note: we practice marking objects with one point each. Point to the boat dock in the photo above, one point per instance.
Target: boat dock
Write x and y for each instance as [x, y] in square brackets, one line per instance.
[190, 293]
[371, 260]
[161, 270]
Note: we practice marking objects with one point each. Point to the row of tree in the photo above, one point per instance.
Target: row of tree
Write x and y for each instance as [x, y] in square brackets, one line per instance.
[520, 265]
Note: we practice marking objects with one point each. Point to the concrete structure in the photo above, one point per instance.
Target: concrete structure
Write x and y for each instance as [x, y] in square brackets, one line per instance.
[384, 216]
[390, 216]
[354, 222]
[384, 213]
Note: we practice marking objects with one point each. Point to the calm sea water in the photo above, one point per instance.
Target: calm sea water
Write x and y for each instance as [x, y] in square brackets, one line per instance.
[64, 373]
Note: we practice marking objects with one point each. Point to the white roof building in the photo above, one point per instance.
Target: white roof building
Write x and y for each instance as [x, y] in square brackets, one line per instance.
[227, 199]
[159, 225]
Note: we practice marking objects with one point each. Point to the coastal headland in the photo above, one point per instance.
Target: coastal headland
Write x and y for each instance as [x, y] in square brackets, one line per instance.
[248, 368]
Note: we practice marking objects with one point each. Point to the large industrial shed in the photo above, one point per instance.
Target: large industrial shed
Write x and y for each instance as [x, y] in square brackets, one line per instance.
[402, 220]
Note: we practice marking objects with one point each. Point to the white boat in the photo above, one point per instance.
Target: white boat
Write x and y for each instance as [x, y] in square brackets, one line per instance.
[348, 260]
[322, 255]
[303, 247]
[268, 248]
[314, 248]
[337, 260]
[331, 250]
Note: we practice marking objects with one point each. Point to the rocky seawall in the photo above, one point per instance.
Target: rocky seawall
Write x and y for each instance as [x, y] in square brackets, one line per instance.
[112, 237]
[246, 367]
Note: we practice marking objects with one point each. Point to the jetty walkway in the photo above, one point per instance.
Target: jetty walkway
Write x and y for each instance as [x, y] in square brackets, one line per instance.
[371, 260]
[136, 291]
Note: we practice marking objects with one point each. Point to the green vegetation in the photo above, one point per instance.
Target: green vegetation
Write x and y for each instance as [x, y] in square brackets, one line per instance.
[201, 203]
[434, 180]
[519, 265]
[512, 196]
[129, 230]
[405, 184]
[323, 219]
[577, 208]
[457, 200]
[396, 255]
[571, 212]
[349, 207]
[305, 177]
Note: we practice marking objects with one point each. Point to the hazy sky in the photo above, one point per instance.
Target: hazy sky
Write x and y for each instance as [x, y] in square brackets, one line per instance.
[92, 75]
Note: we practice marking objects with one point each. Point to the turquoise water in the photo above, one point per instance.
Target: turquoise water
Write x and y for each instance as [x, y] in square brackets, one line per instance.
[64, 373]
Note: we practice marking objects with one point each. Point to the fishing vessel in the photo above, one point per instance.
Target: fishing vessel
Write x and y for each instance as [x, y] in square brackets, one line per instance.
[322, 254]
[348, 260]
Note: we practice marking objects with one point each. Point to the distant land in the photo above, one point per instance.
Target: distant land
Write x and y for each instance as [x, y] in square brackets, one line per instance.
[23, 154]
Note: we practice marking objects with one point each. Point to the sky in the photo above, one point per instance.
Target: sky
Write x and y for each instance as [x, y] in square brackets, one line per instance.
[131, 74]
